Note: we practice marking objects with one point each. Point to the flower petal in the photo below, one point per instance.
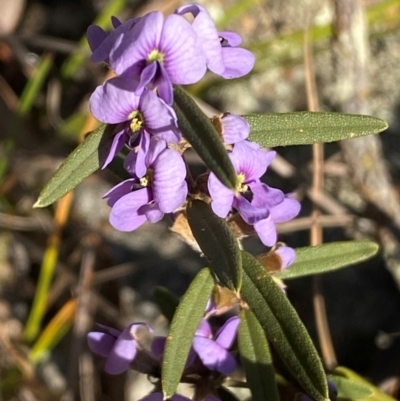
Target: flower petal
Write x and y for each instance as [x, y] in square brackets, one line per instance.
[169, 185]
[122, 353]
[141, 164]
[213, 356]
[227, 333]
[120, 190]
[153, 213]
[249, 212]
[128, 57]
[204, 329]
[100, 343]
[119, 140]
[286, 210]
[266, 231]
[95, 36]
[115, 100]
[233, 38]
[125, 214]
[287, 254]
[265, 196]
[235, 129]
[159, 119]
[238, 62]
[222, 197]
[184, 60]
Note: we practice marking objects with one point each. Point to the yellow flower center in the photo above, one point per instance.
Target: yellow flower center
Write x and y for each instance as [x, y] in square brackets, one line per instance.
[240, 187]
[146, 180]
[137, 120]
[155, 55]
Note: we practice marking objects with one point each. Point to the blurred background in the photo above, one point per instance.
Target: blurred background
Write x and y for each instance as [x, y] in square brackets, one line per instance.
[64, 267]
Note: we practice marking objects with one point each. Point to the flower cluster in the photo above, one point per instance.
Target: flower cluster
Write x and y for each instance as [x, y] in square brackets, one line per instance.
[149, 55]
[209, 353]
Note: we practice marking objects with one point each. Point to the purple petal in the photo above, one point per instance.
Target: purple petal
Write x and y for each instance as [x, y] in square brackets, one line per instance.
[100, 343]
[156, 147]
[265, 196]
[286, 210]
[250, 213]
[208, 36]
[119, 191]
[222, 197]
[153, 397]
[233, 38]
[235, 129]
[148, 74]
[287, 254]
[128, 57]
[169, 187]
[227, 333]
[164, 89]
[238, 62]
[125, 215]
[184, 60]
[213, 356]
[115, 100]
[110, 330]
[266, 231]
[153, 213]
[95, 36]
[141, 164]
[159, 119]
[115, 22]
[124, 350]
[204, 329]
[120, 139]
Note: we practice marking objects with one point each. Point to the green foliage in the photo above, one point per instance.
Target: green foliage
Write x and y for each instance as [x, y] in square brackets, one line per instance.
[256, 358]
[328, 257]
[306, 128]
[217, 243]
[183, 327]
[283, 327]
[197, 128]
[83, 161]
[350, 389]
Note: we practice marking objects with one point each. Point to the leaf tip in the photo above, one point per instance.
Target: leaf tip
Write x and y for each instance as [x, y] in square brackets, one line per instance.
[37, 204]
[166, 396]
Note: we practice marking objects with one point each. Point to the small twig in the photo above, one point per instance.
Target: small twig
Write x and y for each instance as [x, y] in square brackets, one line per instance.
[316, 233]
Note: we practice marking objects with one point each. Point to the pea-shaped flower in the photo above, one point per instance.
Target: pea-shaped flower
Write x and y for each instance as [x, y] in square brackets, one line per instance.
[161, 190]
[120, 348]
[257, 203]
[139, 112]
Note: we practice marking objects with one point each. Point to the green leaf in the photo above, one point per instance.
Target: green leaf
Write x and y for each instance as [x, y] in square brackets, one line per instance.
[256, 358]
[197, 128]
[183, 327]
[82, 162]
[350, 389]
[166, 301]
[306, 127]
[217, 243]
[283, 327]
[328, 257]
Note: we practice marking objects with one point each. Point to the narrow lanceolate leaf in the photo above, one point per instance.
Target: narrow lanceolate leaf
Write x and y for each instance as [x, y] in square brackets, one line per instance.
[328, 257]
[283, 327]
[350, 389]
[216, 241]
[184, 324]
[82, 162]
[306, 127]
[256, 358]
[166, 301]
[197, 128]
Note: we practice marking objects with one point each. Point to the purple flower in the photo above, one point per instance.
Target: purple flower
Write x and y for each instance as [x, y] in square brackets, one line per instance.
[159, 53]
[161, 190]
[120, 348]
[257, 203]
[118, 101]
[213, 350]
[223, 57]
[287, 254]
